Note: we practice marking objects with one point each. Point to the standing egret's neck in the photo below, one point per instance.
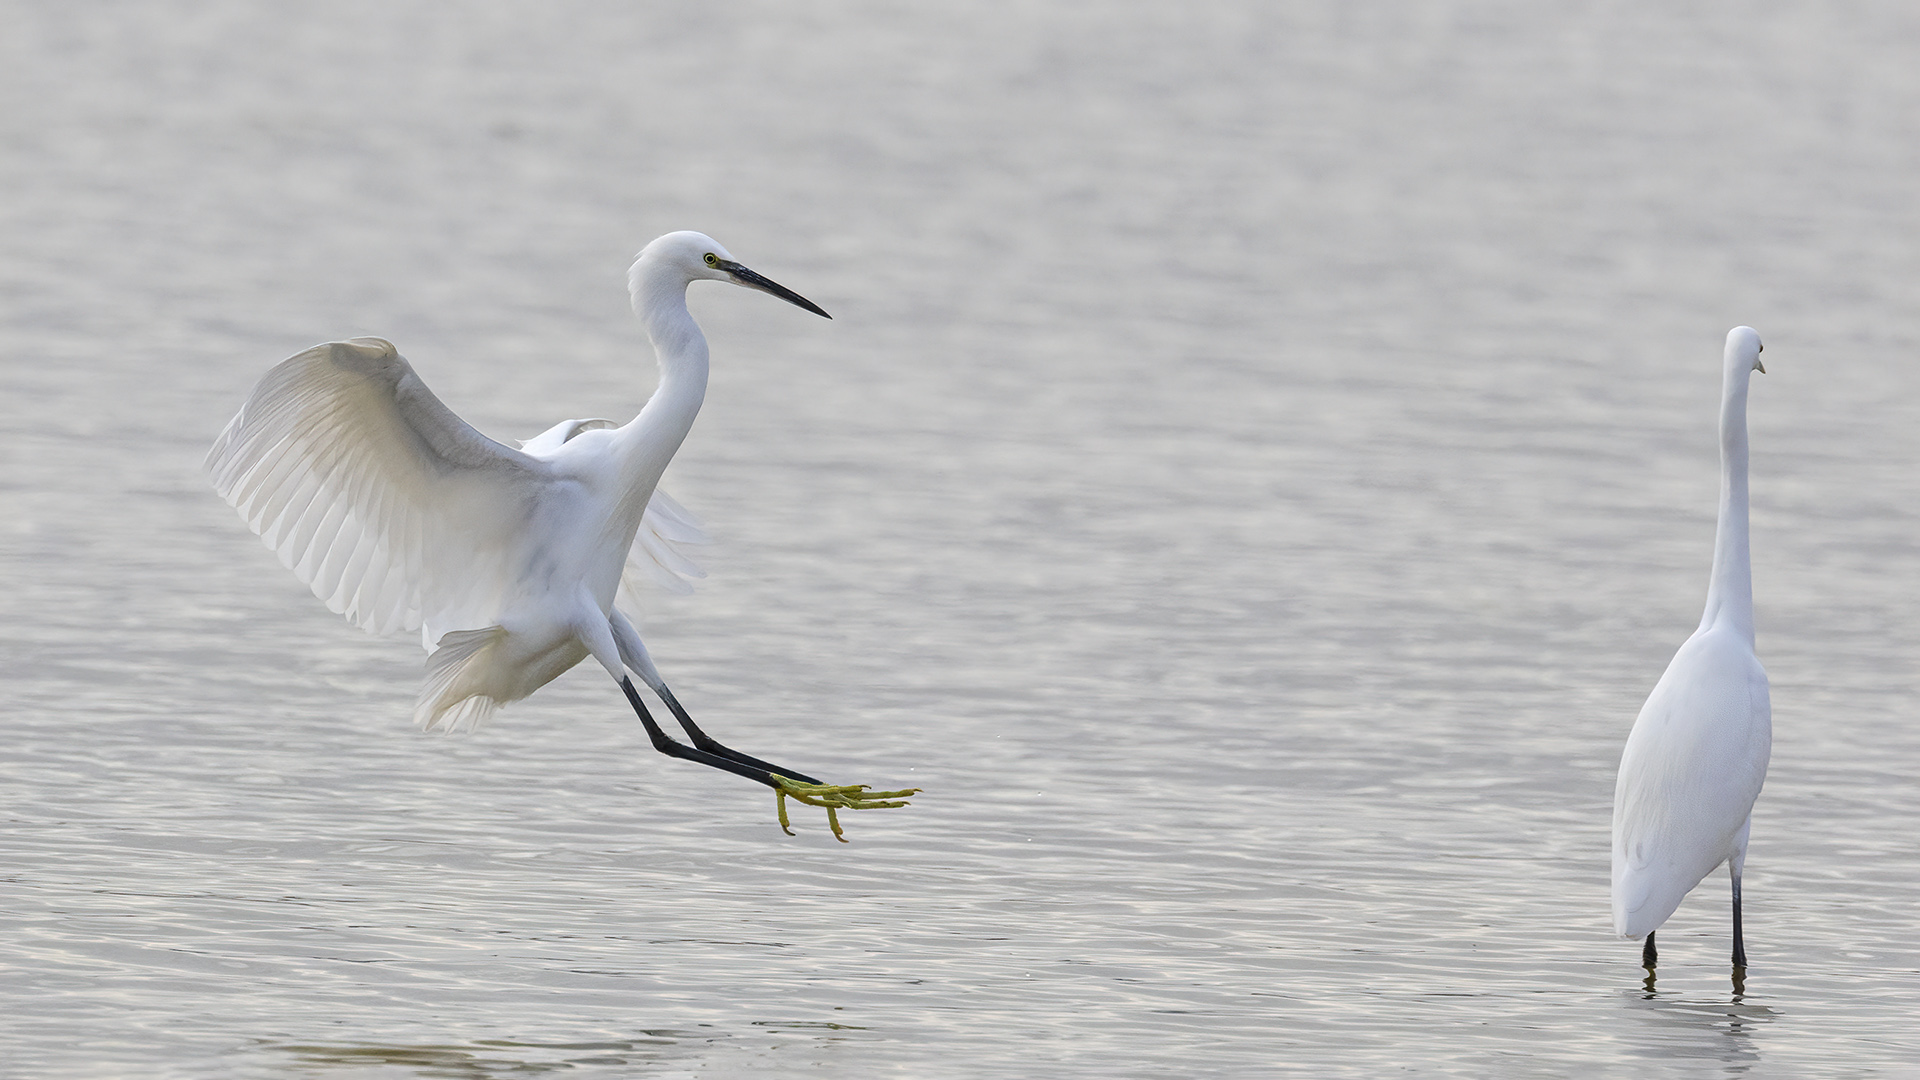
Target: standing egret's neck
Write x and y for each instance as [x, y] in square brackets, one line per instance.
[650, 440]
[1730, 593]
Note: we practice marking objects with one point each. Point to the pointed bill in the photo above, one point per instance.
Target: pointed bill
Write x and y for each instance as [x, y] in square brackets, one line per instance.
[754, 281]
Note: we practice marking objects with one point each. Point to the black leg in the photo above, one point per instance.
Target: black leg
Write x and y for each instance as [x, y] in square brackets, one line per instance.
[1649, 956]
[665, 744]
[712, 745]
[740, 764]
[1739, 943]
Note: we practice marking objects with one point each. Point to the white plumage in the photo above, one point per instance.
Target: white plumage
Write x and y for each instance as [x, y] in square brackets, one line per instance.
[1697, 756]
[400, 516]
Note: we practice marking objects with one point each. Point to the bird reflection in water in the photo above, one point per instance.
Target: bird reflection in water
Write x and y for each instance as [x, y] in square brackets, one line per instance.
[1694, 1029]
[489, 1058]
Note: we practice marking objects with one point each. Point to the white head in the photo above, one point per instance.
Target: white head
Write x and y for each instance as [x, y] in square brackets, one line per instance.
[1744, 349]
[680, 258]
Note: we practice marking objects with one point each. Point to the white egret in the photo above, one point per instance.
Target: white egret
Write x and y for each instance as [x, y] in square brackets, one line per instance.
[1697, 756]
[400, 515]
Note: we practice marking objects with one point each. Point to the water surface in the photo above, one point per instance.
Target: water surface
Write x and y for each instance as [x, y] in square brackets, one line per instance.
[1260, 462]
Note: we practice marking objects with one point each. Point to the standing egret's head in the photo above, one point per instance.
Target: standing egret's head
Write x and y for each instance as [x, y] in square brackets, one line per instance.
[1744, 349]
[693, 256]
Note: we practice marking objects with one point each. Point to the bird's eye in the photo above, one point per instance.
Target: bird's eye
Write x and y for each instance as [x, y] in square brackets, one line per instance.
[712, 259]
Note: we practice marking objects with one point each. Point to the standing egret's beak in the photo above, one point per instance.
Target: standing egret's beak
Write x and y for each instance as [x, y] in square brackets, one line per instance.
[1756, 357]
[754, 281]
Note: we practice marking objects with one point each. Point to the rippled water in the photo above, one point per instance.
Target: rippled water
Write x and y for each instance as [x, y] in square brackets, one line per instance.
[1260, 462]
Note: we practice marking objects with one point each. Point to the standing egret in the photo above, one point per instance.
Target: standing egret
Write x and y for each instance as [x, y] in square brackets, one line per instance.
[1697, 756]
[399, 515]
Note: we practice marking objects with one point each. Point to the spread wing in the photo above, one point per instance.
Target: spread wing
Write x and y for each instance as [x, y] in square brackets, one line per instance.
[387, 505]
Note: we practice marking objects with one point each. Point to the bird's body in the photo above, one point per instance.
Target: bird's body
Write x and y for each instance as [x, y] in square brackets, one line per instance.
[400, 515]
[1697, 756]
[1689, 775]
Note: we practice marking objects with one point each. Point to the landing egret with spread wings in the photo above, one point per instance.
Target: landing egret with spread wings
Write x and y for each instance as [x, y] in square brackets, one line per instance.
[401, 516]
[1697, 755]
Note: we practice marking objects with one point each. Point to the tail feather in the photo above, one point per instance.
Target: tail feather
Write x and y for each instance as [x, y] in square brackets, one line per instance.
[456, 695]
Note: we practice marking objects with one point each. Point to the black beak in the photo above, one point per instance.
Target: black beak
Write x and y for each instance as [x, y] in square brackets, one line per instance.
[754, 281]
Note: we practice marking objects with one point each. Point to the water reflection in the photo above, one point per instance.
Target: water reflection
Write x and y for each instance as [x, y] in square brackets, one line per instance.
[1668, 1026]
[485, 1059]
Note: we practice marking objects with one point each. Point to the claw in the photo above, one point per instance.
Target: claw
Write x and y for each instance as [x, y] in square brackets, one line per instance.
[780, 803]
[834, 798]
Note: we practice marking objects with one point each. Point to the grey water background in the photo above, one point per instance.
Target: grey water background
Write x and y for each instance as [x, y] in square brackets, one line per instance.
[1262, 457]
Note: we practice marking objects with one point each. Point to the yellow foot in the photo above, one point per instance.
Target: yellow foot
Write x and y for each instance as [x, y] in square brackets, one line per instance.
[835, 797]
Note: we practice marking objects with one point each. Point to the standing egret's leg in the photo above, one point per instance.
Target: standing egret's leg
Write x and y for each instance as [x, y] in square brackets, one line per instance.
[1735, 864]
[1739, 944]
[633, 653]
[1649, 956]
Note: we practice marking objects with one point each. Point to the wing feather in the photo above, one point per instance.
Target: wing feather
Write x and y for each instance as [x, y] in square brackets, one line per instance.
[655, 556]
[352, 471]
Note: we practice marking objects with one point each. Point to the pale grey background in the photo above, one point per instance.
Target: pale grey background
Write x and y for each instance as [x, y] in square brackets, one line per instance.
[1262, 457]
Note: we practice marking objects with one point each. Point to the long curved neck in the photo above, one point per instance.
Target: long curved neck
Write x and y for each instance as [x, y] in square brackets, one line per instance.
[1730, 593]
[650, 440]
